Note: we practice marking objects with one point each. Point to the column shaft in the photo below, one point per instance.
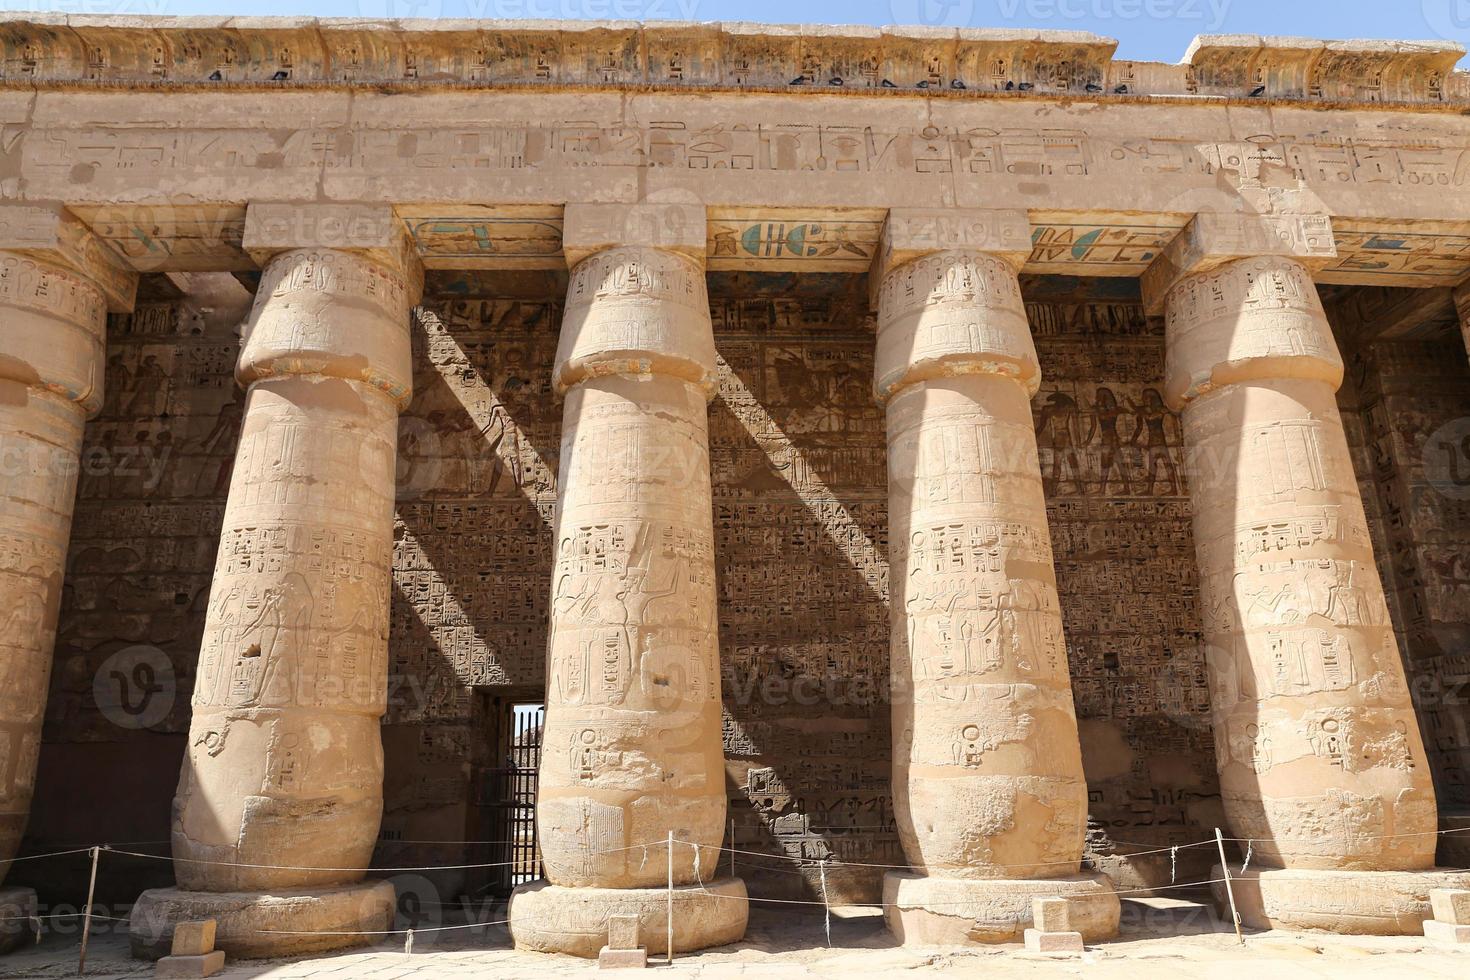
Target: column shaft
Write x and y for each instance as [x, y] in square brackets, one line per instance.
[52, 326]
[632, 750]
[285, 758]
[1319, 754]
[987, 769]
[632, 743]
[988, 787]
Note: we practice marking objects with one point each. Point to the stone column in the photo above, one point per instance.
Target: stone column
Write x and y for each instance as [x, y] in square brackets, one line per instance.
[55, 291]
[632, 750]
[284, 768]
[988, 786]
[1321, 763]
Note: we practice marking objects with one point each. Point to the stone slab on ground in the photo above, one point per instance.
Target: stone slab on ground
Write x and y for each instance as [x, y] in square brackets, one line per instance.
[1446, 933]
[622, 959]
[184, 966]
[1038, 941]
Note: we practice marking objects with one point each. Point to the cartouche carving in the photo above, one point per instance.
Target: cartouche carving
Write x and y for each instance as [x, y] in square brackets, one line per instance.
[987, 767]
[1310, 702]
[631, 746]
[281, 791]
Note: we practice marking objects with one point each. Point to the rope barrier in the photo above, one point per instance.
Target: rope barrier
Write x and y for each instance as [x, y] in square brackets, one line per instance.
[417, 931]
[805, 866]
[900, 867]
[38, 857]
[295, 867]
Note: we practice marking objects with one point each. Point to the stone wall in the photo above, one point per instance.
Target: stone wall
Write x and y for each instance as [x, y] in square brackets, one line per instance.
[1413, 458]
[800, 495]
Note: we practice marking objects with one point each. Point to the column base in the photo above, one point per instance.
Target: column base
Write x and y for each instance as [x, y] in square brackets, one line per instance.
[933, 911]
[1352, 903]
[257, 925]
[555, 919]
[17, 918]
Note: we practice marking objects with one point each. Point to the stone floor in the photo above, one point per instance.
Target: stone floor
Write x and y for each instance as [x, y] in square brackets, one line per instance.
[1160, 938]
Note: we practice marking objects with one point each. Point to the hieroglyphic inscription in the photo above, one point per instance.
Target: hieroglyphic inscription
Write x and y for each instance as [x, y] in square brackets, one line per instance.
[1112, 462]
[797, 452]
[1407, 426]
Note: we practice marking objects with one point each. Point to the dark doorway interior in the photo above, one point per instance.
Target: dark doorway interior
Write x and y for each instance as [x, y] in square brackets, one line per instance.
[506, 788]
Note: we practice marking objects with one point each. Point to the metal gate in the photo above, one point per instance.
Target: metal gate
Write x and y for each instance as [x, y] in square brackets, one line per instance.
[509, 797]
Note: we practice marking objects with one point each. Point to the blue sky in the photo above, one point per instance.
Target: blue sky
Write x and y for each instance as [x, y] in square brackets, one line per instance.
[1154, 30]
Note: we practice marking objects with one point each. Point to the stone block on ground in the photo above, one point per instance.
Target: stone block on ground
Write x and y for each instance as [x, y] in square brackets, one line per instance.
[1038, 941]
[1446, 933]
[622, 959]
[1451, 905]
[194, 938]
[1050, 915]
[206, 965]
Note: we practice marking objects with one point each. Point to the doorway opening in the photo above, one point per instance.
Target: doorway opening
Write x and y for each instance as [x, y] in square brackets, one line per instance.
[507, 789]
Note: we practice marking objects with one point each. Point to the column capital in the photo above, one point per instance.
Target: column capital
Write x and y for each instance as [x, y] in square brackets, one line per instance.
[952, 312]
[912, 233]
[372, 231]
[1210, 240]
[670, 226]
[49, 233]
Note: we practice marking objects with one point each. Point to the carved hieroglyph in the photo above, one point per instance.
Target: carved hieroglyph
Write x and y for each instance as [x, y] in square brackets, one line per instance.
[989, 794]
[285, 760]
[51, 338]
[987, 767]
[632, 745]
[632, 749]
[1320, 757]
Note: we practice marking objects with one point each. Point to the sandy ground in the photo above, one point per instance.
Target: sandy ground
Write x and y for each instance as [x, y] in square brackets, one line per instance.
[1160, 938]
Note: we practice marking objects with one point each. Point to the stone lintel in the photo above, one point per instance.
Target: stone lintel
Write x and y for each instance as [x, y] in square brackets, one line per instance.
[49, 233]
[1212, 239]
[912, 233]
[670, 226]
[371, 230]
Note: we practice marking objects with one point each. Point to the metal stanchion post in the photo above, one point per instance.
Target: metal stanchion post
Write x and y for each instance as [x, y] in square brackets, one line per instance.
[670, 923]
[1229, 891]
[87, 915]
